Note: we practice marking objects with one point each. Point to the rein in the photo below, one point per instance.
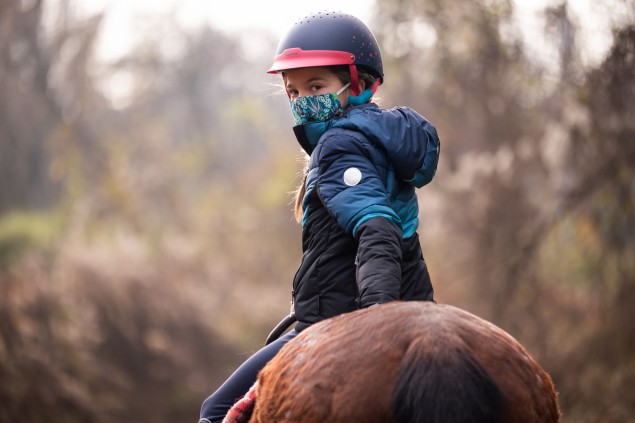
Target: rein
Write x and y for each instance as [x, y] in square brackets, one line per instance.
[281, 328]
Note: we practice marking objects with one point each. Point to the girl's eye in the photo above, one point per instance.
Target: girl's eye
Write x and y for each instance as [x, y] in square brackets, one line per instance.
[316, 88]
[292, 93]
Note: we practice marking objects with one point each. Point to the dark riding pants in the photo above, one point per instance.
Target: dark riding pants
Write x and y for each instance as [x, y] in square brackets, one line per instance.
[215, 407]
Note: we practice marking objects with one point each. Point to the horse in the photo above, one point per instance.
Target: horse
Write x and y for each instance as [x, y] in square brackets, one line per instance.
[404, 362]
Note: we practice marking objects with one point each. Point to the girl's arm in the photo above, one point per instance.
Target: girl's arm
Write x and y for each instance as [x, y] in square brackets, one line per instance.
[362, 207]
[378, 261]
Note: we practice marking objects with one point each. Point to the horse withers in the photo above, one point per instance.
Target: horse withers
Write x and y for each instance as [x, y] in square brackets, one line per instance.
[405, 362]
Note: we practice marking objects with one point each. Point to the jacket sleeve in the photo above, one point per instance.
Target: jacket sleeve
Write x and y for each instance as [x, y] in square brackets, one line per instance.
[378, 262]
[350, 183]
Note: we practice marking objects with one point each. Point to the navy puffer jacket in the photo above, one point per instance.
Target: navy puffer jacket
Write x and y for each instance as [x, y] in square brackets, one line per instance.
[361, 212]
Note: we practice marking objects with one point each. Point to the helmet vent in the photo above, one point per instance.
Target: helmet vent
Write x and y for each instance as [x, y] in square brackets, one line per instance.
[321, 15]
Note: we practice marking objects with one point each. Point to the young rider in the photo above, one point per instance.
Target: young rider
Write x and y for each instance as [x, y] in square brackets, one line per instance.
[357, 203]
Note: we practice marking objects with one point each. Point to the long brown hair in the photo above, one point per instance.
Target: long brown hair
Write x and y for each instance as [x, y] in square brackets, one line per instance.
[344, 75]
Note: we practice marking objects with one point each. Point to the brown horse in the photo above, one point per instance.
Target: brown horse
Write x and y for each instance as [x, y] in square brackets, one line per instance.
[405, 362]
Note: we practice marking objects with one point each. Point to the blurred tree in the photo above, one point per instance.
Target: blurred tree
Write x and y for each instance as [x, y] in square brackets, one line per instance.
[464, 66]
[600, 201]
[535, 185]
[46, 91]
[174, 199]
[130, 311]
[24, 70]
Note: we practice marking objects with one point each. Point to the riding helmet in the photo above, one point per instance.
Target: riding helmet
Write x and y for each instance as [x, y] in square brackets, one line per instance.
[328, 39]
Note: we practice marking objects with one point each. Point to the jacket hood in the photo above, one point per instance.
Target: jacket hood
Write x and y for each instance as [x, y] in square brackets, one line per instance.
[410, 141]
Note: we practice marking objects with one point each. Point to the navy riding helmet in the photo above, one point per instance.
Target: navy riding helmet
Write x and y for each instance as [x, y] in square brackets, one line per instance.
[329, 39]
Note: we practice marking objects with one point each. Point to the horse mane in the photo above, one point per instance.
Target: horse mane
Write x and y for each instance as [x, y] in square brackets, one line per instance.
[439, 383]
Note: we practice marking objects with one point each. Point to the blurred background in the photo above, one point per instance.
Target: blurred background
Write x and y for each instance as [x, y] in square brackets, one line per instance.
[147, 244]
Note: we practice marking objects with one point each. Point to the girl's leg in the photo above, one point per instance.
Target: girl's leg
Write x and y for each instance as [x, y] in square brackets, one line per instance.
[215, 407]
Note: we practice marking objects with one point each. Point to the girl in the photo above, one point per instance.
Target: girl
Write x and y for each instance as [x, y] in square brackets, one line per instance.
[357, 202]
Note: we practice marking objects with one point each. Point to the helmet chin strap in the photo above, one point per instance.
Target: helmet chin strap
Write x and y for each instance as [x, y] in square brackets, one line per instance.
[356, 98]
[354, 80]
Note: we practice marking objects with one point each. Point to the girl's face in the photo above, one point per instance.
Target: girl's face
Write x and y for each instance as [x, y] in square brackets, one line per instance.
[304, 82]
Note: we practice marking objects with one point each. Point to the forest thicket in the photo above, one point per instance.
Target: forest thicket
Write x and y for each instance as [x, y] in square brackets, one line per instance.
[147, 243]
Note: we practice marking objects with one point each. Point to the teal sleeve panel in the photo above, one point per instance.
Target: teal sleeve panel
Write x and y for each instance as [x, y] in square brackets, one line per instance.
[350, 182]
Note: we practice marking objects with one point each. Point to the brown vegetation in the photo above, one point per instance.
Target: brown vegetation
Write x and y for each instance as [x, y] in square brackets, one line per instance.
[147, 243]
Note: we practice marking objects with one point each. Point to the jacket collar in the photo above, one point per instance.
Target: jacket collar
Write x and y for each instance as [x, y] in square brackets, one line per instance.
[309, 134]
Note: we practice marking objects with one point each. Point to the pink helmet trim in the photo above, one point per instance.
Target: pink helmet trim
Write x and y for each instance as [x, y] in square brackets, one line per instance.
[293, 58]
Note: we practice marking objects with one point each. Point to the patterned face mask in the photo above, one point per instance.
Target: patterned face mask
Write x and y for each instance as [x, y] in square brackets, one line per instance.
[317, 108]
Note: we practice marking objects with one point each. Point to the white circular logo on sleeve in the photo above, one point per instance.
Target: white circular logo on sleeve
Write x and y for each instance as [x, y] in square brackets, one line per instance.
[352, 176]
